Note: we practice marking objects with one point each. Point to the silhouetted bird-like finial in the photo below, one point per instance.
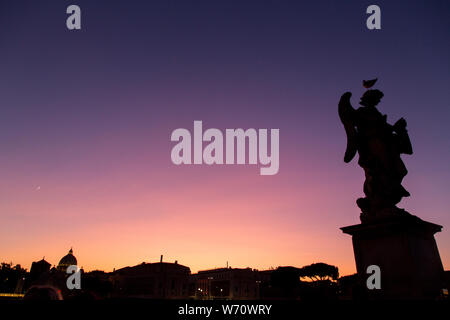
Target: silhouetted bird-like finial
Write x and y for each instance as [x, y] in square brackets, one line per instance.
[369, 83]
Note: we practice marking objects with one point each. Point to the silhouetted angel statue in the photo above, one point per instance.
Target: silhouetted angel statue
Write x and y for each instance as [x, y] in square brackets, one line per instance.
[379, 146]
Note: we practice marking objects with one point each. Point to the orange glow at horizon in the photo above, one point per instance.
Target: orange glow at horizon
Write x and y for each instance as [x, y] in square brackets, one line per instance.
[203, 217]
[199, 224]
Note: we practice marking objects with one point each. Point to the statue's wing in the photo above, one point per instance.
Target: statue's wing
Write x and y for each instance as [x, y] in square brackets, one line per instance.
[346, 113]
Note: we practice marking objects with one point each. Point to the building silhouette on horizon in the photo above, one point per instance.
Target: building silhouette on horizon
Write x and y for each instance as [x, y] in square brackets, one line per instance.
[171, 280]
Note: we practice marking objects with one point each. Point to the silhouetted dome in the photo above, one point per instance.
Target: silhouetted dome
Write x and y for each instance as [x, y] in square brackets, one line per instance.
[68, 260]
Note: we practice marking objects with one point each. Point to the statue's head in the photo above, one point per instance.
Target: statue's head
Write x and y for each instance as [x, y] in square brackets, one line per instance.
[371, 98]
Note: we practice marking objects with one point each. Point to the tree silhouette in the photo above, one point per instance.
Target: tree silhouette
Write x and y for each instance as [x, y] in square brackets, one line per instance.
[10, 275]
[319, 272]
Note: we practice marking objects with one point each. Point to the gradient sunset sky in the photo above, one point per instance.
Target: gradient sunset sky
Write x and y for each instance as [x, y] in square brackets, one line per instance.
[86, 118]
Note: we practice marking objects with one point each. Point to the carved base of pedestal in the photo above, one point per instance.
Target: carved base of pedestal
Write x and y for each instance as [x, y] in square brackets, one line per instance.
[405, 250]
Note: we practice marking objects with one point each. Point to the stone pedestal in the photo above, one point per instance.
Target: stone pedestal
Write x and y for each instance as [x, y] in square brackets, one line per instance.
[405, 250]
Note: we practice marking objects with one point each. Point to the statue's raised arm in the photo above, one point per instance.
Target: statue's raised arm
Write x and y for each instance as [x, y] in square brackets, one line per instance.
[347, 115]
[403, 141]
